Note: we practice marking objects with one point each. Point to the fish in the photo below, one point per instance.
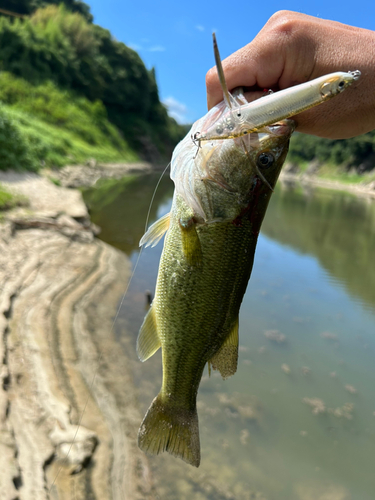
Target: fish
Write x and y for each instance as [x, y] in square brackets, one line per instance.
[222, 190]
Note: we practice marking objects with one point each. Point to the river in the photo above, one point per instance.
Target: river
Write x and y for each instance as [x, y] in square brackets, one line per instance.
[297, 421]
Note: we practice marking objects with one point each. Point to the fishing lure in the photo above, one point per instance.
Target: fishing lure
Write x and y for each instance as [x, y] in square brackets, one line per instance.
[240, 118]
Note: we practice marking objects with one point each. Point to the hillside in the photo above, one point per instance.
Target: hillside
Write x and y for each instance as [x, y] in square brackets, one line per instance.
[357, 154]
[77, 90]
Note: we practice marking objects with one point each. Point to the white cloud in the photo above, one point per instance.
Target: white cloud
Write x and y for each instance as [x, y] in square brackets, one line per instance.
[153, 48]
[176, 109]
[199, 27]
[134, 46]
[156, 48]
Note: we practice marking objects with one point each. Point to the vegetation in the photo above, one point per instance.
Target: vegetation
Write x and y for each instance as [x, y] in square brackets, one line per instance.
[9, 200]
[357, 153]
[64, 47]
[40, 124]
[26, 7]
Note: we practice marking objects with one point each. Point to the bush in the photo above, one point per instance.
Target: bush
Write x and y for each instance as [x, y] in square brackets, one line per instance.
[16, 151]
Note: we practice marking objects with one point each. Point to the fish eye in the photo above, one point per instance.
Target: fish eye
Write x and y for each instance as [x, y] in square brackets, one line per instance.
[341, 84]
[265, 160]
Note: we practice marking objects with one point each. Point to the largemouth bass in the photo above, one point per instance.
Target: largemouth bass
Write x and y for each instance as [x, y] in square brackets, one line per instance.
[212, 229]
[222, 190]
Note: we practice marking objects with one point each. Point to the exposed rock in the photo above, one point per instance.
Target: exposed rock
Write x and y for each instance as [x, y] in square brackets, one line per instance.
[44, 197]
[313, 168]
[77, 176]
[291, 168]
[68, 408]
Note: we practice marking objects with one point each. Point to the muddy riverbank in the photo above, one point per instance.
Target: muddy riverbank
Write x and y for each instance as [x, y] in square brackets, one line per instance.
[68, 409]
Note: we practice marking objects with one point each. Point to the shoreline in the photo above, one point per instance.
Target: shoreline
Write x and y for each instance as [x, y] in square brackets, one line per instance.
[68, 407]
[367, 190]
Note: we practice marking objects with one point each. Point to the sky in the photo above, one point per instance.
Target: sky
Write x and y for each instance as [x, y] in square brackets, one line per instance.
[175, 37]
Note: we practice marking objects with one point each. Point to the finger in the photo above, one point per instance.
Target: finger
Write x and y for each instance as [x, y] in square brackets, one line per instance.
[281, 55]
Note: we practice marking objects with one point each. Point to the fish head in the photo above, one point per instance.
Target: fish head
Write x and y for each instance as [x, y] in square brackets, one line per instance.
[219, 179]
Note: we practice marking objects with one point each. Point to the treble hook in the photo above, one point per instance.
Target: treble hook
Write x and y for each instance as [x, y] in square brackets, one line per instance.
[197, 142]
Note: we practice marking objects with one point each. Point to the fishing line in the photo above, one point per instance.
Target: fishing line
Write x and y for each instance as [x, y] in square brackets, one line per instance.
[64, 460]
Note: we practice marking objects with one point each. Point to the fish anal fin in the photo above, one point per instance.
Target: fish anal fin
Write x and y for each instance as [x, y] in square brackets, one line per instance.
[148, 341]
[191, 244]
[226, 359]
[155, 232]
[168, 428]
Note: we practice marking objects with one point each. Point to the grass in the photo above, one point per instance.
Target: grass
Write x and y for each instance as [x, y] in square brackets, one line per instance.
[45, 126]
[336, 173]
[9, 200]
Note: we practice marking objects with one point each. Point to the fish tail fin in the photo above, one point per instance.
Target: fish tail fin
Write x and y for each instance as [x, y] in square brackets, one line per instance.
[171, 429]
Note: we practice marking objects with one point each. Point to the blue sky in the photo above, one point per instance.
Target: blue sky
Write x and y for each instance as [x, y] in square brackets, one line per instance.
[175, 37]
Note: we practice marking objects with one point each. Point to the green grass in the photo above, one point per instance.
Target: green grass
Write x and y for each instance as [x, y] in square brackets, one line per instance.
[43, 125]
[9, 200]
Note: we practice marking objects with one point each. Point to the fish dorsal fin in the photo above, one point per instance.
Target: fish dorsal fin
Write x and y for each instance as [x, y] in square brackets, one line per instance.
[155, 232]
[225, 360]
[148, 341]
[191, 244]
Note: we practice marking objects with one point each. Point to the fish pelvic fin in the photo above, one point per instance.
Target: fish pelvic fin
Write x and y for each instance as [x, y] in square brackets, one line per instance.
[191, 244]
[172, 429]
[155, 232]
[226, 359]
[148, 341]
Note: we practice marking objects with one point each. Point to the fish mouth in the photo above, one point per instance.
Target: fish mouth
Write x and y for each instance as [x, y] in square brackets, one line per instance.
[284, 128]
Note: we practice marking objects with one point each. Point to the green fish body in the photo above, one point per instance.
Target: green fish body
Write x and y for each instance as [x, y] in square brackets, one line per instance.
[221, 196]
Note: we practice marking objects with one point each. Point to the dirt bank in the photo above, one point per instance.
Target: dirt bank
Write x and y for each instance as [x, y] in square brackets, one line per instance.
[367, 190]
[68, 409]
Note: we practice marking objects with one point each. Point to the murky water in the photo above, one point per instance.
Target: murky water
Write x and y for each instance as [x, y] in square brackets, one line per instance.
[297, 421]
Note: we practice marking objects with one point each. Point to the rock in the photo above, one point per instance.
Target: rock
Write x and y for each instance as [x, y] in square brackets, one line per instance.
[59, 291]
[78, 176]
[313, 168]
[43, 195]
[91, 162]
[74, 445]
[351, 389]
[291, 168]
[316, 404]
[286, 369]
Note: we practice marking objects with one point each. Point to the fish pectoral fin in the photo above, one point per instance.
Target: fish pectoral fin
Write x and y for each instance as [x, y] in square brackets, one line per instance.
[191, 244]
[225, 360]
[148, 341]
[155, 232]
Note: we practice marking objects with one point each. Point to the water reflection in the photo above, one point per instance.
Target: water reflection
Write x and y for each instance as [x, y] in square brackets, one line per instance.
[337, 228]
[297, 421]
[120, 207]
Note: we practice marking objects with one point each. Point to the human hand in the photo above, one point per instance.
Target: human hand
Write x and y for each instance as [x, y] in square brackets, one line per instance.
[293, 48]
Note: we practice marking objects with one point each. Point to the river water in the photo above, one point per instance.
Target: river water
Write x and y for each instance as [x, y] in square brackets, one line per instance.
[297, 420]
